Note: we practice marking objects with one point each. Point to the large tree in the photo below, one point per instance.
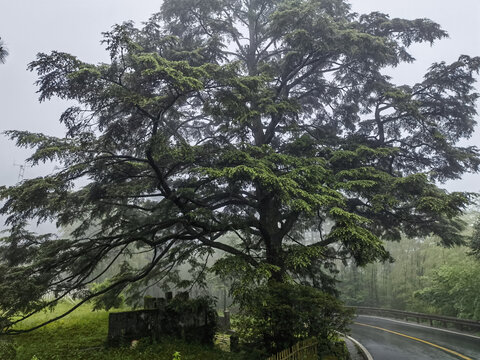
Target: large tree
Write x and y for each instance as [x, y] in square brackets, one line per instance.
[265, 119]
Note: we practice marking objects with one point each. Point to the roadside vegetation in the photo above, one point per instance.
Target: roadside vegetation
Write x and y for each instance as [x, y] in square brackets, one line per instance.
[424, 277]
[82, 335]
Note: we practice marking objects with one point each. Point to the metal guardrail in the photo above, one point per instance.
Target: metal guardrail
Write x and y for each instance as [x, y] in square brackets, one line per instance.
[461, 324]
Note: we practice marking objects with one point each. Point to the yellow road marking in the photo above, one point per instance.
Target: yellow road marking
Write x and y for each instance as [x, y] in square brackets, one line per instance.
[417, 339]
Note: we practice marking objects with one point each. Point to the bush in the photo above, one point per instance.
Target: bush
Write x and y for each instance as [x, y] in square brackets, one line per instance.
[278, 315]
[334, 348]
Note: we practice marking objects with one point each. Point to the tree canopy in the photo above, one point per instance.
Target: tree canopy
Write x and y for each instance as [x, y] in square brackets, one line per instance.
[475, 241]
[266, 119]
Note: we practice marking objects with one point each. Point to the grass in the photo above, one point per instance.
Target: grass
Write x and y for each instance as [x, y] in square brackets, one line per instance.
[82, 335]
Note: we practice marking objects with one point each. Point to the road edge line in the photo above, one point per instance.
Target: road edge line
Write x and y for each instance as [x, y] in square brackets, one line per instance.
[424, 326]
[362, 348]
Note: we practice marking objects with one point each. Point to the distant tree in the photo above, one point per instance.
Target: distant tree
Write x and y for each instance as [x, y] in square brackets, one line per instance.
[454, 290]
[420, 278]
[3, 51]
[475, 239]
[264, 119]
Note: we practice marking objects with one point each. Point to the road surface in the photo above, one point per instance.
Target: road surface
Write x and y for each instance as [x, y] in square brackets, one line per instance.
[388, 339]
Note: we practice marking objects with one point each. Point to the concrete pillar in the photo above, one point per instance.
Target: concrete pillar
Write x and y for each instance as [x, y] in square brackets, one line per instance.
[226, 314]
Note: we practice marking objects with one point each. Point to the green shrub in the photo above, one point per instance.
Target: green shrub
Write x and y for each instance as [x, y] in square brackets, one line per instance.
[334, 348]
[278, 315]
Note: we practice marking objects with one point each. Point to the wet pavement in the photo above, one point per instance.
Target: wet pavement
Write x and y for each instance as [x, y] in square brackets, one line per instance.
[388, 339]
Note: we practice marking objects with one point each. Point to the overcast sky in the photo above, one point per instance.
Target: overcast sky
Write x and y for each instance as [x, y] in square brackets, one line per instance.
[31, 26]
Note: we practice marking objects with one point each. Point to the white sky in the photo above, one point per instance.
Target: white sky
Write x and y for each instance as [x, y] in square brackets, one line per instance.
[28, 27]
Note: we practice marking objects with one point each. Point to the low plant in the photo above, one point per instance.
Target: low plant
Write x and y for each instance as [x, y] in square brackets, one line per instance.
[8, 350]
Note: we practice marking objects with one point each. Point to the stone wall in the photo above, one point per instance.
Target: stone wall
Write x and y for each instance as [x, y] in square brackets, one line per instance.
[131, 325]
[224, 321]
[192, 320]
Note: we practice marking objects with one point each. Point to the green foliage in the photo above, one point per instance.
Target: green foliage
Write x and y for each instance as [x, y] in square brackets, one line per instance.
[333, 349]
[82, 329]
[82, 334]
[276, 316]
[453, 290]
[424, 277]
[108, 300]
[7, 350]
[475, 239]
[176, 356]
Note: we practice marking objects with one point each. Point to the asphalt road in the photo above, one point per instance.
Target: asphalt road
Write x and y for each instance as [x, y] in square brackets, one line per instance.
[388, 339]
